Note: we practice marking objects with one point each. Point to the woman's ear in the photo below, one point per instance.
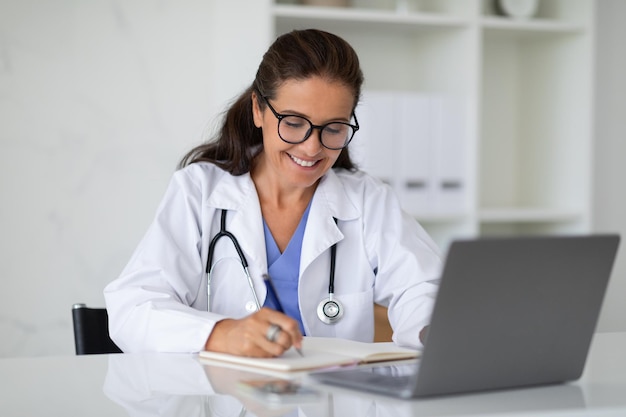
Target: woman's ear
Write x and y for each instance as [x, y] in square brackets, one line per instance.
[257, 114]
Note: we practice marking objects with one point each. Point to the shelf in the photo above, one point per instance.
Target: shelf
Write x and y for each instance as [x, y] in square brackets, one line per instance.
[379, 19]
[527, 215]
[502, 26]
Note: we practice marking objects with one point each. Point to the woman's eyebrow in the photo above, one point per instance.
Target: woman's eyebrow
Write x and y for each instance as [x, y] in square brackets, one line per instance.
[290, 112]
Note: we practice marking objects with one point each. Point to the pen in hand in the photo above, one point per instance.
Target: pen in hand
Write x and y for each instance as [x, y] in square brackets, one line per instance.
[272, 290]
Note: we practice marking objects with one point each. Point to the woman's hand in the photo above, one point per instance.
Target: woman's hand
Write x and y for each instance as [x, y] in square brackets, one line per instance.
[247, 336]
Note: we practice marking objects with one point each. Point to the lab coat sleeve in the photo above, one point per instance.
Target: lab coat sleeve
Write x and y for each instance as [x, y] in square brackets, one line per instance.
[149, 305]
[406, 260]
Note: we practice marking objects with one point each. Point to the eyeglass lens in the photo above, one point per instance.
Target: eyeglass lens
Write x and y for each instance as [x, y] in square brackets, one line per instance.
[296, 129]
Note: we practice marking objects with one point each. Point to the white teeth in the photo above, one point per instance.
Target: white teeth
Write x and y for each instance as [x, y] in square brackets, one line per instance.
[301, 162]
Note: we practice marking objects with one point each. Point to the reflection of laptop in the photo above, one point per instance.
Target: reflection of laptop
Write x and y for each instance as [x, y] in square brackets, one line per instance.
[510, 312]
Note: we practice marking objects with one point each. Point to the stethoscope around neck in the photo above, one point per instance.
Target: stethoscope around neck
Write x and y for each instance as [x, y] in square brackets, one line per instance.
[329, 310]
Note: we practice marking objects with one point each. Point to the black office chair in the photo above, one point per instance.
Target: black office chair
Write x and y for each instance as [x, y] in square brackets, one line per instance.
[91, 331]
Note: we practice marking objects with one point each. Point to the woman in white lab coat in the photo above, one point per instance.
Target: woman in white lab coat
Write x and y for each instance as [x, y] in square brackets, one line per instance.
[279, 180]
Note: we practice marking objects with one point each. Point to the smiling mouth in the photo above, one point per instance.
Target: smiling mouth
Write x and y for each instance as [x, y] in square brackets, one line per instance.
[302, 163]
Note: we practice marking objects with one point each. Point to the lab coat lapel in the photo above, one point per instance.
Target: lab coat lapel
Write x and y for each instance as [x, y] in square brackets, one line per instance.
[238, 195]
[247, 224]
[330, 201]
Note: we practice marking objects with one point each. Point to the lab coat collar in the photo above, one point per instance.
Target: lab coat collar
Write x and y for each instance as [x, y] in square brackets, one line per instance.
[331, 201]
[331, 193]
[331, 198]
[233, 192]
[237, 195]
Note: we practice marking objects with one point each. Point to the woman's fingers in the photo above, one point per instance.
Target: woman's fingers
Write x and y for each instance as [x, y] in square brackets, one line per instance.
[280, 332]
[286, 324]
[262, 334]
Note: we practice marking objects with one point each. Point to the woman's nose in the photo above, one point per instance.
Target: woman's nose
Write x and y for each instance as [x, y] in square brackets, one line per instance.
[313, 144]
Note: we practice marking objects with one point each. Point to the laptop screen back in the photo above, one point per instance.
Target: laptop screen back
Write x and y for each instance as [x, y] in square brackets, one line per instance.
[515, 311]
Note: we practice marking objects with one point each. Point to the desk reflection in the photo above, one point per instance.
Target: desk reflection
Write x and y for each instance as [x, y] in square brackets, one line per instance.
[179, 385]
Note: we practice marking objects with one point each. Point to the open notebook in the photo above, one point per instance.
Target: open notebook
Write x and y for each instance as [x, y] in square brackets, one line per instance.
[320, 352]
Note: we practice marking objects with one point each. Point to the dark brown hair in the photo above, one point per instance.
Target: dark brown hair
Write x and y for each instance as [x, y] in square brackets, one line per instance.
[298, 55]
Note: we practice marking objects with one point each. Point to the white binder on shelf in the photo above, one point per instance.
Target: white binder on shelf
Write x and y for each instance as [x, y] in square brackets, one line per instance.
[449, 135]
[415, 149]
[416, 142]
[373, 146]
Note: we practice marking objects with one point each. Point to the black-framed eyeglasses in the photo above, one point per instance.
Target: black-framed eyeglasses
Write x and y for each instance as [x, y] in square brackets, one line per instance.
[296, 129]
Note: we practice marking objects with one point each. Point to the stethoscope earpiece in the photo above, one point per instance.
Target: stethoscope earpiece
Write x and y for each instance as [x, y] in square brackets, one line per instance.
[329, 310]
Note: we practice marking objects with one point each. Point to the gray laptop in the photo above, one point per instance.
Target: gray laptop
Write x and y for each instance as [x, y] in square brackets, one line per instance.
[510, 312]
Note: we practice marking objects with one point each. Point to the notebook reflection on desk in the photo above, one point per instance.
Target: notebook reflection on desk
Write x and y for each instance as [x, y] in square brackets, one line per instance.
[180, 384]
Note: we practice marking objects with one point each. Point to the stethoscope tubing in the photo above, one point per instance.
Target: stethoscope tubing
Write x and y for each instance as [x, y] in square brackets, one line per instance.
[244, 262]
[223, 232]
[321, 310]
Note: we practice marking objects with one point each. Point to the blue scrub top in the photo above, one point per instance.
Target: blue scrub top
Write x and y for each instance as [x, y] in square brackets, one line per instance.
[284, 268]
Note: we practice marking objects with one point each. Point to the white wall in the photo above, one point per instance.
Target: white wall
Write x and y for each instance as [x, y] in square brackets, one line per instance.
[610, 149]
[98, 101]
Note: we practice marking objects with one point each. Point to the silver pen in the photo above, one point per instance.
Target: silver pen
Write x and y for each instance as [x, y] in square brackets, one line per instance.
[274, 293]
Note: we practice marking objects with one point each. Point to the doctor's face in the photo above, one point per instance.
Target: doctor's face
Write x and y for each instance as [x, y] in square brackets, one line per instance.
[316, 99]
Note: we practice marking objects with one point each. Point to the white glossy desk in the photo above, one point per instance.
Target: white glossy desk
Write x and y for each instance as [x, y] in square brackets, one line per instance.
[179, 385]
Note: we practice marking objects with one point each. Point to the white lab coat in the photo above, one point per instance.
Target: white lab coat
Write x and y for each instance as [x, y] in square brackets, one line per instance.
[159, 303]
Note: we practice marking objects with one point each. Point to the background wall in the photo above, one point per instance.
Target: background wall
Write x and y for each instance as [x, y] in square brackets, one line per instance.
[99, 100]
[610, 149]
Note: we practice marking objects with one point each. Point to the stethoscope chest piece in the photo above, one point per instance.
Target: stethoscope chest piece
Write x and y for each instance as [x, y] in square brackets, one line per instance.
[329, 310]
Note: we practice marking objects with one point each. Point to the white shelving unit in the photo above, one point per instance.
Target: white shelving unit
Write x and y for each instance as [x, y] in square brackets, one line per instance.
[528, 85]
[536, 121]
